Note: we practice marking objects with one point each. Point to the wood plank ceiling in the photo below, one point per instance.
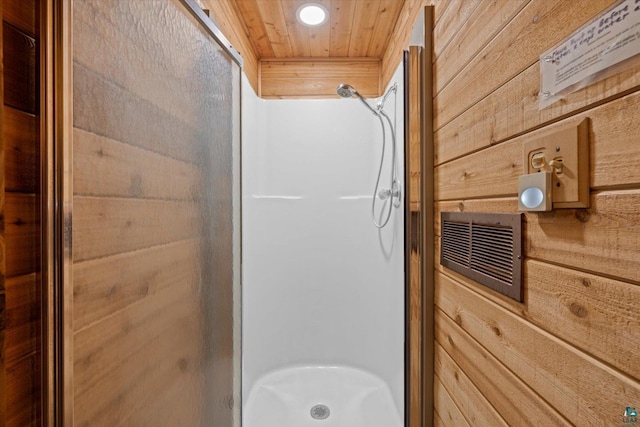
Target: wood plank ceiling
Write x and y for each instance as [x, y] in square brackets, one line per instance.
[355, 28]
[361, 43]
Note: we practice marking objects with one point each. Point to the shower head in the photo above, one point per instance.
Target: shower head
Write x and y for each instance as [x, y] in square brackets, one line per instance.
[346, 91]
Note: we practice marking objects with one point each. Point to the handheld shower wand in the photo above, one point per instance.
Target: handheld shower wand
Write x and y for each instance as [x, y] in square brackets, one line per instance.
[393, 192]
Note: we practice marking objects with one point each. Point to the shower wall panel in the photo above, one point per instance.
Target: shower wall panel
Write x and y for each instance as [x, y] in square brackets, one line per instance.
[321, 285]
[155, 152]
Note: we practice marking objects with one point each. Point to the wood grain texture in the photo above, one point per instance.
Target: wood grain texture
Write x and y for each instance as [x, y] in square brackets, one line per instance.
[578, 312]
[450, 23]
[21, 144]
[108, 226]
[560, 374]
[342, 14]
[614, 160]
[384, 24]
[112, 111]
[364, 19]
[108, 285]
[516, 402]
[564, 341]
[111, 365]
[446, 407]
[22, 14]
[515, 49]
[226, 18]
[23, 392]
[20, 56]
[22, 318]
[318, 78]
[513, 110]
[466, 395]
[254, 25]
[354, 29]
[399, 39]
[415, 239]
[482, 25]
[272, 15]
[375, 29]
[108, 168]
[21, 234]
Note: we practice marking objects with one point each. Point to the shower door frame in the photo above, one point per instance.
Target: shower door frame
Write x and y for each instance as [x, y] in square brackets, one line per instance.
[56, 163]
[419, 377]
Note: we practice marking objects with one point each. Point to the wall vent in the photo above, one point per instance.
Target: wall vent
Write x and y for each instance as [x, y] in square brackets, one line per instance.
[486, 248]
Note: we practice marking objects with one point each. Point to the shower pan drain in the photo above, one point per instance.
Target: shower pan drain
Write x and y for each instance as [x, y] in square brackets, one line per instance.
[320, 412]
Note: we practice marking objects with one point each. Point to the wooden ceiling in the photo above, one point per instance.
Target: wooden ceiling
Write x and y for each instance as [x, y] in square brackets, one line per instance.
[356, 28]
[361, 44]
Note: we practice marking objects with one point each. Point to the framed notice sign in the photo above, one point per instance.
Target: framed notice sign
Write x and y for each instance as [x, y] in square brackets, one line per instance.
[594, 51]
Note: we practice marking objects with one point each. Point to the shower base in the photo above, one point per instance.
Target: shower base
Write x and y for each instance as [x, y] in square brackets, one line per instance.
[320, 397]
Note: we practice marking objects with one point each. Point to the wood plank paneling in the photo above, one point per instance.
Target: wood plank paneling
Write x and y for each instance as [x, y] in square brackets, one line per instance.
[384, 24]
[565, 342]
[483, 24]
[255, 26]
[342, 14]
[152, 219]
[578, 312]
[446, 407]
[318, 78]
[456, 15]
[110, 110]
[513, 109]
[107, 285]
[374, 29]
[364, 19]
[98, 160]
[226, 18]
[21, 234]
[614, 161]
[516, 48]
[20, 329]
[21, 142]
[298, 34]
[22, 14]
[562, 375]
[468, 398]
[399, 39]
[21, 76]
[114, 376]
[23, 392]
[108, 226]
[272, 14]
[516, 402]
[22, 318]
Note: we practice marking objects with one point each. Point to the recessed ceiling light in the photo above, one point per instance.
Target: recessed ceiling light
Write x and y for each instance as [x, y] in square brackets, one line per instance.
[312, 14]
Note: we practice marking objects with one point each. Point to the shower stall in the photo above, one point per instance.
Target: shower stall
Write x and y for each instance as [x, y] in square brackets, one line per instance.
[323, 286]
[199, 278]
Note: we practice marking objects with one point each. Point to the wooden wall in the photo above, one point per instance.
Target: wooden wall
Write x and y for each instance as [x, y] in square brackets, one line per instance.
[20, 287]
[568, 354]
[152, 342]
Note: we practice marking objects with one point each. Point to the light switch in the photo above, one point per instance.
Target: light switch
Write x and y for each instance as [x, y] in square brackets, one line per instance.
[564, 153]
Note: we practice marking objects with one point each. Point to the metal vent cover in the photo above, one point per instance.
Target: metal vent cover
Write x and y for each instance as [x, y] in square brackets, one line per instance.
[485, 247]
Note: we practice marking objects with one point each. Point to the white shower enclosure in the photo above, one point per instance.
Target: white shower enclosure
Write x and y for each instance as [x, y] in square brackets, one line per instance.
[323, 288]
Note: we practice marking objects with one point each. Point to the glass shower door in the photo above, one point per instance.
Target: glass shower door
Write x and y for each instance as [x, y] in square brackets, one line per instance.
[156, 217]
